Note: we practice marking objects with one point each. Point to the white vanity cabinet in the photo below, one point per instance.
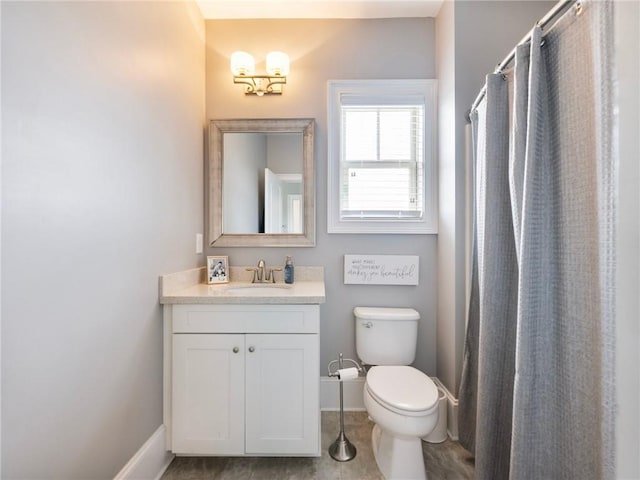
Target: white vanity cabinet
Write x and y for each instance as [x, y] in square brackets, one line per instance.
[242, 379]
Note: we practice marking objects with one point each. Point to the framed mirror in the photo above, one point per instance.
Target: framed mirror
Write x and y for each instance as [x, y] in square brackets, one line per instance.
[261, 183]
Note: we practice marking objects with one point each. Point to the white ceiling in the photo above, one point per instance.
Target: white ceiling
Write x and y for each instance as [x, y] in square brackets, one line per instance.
[221, 9]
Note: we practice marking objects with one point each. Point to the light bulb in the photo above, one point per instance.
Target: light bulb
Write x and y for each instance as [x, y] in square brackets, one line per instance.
[277, 64]
[242, 63]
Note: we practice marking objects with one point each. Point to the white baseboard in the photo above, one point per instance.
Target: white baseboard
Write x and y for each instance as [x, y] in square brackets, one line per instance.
[150, 462]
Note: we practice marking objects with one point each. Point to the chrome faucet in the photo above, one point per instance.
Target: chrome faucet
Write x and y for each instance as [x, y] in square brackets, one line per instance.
[263, 275]
[260, 271]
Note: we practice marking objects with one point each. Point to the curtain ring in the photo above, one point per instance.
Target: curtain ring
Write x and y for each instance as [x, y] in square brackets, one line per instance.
[578, 8]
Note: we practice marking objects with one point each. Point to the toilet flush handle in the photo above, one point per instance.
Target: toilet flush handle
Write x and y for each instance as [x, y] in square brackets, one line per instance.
[367, 324]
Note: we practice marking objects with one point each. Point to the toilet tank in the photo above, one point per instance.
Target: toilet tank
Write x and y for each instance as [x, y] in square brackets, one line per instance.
[386, 336]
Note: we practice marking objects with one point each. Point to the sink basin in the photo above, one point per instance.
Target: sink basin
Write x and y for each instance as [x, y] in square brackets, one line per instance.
[250, 289]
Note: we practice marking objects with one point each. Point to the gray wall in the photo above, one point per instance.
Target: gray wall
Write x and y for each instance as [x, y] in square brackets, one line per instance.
[284, 153]
[103, 111]
[627, 21]
[321, 50]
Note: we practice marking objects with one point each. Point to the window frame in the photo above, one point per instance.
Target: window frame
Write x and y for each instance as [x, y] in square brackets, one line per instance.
[423, 91]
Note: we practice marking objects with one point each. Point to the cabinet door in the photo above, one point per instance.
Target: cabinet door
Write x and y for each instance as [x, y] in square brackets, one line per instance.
[208, 394]
[282, 394]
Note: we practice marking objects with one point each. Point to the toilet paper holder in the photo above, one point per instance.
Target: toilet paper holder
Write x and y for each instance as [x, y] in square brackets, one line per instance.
[342, 449]
[340, 366]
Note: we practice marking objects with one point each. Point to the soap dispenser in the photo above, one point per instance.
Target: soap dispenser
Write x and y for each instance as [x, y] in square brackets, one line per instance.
[288, 270]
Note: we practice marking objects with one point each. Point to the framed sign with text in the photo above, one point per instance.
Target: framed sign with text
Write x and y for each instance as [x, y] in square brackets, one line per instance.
[381, 269]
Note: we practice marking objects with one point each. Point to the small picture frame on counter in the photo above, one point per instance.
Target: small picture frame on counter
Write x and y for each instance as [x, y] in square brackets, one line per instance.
[217, 269]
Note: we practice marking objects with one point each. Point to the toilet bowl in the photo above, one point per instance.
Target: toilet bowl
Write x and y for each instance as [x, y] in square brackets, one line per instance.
[403, 403]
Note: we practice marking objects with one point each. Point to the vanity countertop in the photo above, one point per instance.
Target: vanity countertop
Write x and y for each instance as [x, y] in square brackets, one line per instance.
[189, 287]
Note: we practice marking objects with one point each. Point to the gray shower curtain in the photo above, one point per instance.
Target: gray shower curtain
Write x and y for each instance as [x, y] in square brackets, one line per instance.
[536, 395]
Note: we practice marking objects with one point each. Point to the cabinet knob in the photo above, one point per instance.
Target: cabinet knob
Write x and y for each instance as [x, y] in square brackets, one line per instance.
[236, 349]
[252, 349]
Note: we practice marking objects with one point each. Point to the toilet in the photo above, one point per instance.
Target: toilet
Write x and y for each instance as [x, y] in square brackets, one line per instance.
[401, 400]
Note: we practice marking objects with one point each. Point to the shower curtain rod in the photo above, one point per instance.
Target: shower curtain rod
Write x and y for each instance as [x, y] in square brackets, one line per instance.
[543, 22]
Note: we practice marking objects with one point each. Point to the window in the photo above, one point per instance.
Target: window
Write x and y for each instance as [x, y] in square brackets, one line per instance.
[381, 165]
[381, 161]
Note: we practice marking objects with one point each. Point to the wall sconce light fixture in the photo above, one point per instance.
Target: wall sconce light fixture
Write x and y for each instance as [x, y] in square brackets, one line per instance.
[243, 68]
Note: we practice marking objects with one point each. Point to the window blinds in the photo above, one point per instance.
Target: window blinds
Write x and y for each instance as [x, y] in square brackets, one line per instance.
[381, 159]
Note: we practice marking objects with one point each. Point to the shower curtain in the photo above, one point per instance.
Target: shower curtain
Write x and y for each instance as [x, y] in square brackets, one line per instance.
[537, 393]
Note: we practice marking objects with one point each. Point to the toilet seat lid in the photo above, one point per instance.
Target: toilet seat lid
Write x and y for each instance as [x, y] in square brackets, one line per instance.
[401, 387]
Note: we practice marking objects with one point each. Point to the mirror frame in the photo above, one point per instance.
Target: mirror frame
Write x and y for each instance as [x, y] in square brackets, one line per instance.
[217, 128]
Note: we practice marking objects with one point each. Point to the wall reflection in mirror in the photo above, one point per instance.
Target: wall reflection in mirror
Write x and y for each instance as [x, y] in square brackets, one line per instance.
[262, 178]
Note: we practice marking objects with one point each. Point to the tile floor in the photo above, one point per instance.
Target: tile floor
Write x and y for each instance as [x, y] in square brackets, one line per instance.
[444, 461]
